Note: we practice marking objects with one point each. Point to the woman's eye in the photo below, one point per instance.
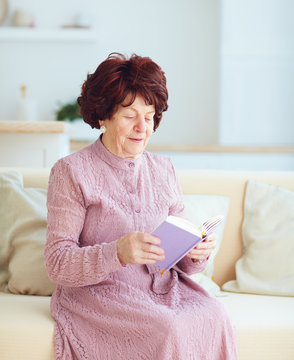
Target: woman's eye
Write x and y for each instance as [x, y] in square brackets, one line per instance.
[130, 116]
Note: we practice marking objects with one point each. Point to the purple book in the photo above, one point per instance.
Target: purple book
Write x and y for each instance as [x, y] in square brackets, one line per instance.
[178, 236]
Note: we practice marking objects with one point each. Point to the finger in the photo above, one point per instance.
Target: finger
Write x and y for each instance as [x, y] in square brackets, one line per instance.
[206, 248]
[150, 257]
[200, 253]
[199, 257]
[148, 238]
[145, 261]
[195, 254]
[149, 248]
[211, 237]
[148, 261]
[203, 246]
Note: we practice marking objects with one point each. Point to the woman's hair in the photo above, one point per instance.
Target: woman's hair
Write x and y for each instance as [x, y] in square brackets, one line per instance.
[117, 77]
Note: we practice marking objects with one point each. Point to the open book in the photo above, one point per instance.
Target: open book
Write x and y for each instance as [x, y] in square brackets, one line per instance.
[178, 236]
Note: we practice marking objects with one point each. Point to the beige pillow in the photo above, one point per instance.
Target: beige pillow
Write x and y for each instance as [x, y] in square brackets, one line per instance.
[267, 265]
[199, 208]
[22, 237]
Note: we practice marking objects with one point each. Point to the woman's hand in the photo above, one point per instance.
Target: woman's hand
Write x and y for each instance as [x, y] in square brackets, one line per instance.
[139, 248]
[204, 249]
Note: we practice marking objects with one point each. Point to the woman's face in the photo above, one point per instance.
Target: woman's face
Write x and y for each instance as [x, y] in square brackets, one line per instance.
[129, 129]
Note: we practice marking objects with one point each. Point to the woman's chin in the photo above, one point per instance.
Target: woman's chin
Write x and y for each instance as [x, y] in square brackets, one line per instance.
[135, 151]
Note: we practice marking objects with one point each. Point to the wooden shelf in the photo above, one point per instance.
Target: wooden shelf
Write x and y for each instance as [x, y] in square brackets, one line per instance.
[13, 126]
[16, 34]
[77, 145]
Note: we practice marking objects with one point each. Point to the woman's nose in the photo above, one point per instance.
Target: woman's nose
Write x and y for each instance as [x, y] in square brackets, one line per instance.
[140, 125]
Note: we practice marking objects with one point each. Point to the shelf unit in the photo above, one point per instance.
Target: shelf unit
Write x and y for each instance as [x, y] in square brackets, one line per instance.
[17, 126]
[17, 34]
[32, 143]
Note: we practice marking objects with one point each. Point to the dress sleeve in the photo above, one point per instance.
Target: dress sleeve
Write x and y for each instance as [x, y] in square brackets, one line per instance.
[178, 209]
[68, 263]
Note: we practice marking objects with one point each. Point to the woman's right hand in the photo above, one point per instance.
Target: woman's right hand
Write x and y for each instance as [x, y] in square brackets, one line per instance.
[139, 248]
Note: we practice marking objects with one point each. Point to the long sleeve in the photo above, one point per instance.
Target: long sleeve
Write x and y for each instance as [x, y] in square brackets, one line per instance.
[178, 209]
[68, 263]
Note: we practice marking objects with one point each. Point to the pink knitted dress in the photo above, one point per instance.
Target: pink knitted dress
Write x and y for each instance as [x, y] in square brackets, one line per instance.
[106, 311]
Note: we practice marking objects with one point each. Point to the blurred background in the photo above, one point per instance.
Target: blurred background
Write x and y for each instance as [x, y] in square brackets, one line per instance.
[229, 66]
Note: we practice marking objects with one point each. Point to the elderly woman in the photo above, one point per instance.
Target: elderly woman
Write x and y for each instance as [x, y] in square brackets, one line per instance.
[103, 204]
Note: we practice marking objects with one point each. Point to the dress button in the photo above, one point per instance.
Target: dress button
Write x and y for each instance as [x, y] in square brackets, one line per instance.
[131, 165]
[138, 211]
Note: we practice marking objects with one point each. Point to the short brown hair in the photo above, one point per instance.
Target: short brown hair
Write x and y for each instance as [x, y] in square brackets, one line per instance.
[117, 77]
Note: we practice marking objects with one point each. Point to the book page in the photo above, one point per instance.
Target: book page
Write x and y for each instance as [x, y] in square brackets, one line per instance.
[184, 224]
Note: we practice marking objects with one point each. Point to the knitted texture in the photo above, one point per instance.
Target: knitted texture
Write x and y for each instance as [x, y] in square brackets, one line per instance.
[107, 311]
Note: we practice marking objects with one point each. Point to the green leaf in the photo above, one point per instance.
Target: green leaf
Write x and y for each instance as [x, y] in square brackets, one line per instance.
[70, 111]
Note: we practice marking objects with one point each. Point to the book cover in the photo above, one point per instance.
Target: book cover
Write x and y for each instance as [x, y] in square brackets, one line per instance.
[178, 237]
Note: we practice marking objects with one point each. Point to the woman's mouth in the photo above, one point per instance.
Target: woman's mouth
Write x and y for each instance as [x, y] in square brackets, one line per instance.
[136, 140]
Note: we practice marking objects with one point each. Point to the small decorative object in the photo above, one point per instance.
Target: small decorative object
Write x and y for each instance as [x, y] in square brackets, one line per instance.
[27, 109]
[83, 20]
[3, 10]
[23, 18]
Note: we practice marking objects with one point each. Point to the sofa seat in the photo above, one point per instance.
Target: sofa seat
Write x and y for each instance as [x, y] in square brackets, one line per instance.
[25, 324]
[265, 325]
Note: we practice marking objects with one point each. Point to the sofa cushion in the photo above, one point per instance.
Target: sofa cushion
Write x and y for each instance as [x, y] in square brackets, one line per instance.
[22, 237]
[264, 325]
[198, 209]
[266, 266]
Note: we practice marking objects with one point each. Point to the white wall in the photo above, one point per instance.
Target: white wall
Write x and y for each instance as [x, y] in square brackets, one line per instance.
[182, 36]
[229, 64]
[257, 76]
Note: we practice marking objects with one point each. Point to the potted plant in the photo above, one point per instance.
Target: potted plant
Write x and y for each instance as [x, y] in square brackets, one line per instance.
[70, 112]
[78, 129]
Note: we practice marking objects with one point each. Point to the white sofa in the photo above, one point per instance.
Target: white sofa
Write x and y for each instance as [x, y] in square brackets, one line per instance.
[264, 324]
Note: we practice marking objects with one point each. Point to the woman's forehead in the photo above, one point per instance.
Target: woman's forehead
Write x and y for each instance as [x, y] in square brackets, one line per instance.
[138, 103]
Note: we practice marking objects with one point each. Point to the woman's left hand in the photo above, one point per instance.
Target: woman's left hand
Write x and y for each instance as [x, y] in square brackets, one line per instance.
[204, 249]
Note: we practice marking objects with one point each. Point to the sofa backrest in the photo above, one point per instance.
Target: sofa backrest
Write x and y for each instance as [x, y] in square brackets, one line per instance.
[233, 185]
[32, 177]
[210, 182]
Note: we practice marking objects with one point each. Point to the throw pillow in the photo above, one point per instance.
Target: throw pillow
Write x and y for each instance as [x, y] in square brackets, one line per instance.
[266, 266]
[199, 208]
[22, 237]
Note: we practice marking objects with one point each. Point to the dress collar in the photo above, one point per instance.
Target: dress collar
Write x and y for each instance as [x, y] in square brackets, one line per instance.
[114, 160]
